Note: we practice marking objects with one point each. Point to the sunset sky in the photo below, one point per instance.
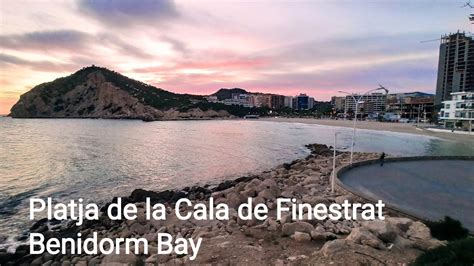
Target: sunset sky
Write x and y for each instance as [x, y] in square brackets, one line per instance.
[285, 47]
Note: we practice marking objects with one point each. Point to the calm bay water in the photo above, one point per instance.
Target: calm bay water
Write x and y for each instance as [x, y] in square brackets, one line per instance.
[98, 159]
[430, 189]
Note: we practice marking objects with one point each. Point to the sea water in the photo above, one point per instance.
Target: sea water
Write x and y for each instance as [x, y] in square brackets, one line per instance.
[68, 159]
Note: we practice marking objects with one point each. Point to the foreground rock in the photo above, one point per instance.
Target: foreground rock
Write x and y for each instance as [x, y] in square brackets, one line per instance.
[392, 241]
[395, 240]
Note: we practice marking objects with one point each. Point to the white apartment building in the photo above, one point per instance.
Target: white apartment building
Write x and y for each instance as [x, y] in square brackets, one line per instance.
[369, 104]
[459, 111]
[239, 99]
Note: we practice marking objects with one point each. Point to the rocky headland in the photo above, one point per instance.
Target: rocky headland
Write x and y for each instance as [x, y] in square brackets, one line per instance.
[393, 241]
[97, 92]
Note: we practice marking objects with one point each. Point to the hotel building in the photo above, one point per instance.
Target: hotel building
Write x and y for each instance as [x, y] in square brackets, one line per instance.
[459, 111]
[370, 104]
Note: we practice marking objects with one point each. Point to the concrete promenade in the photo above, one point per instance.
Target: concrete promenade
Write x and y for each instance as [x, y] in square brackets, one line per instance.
[428, 189]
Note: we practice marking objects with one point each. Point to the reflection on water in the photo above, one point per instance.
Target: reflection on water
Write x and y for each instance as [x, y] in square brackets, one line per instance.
[98, 159]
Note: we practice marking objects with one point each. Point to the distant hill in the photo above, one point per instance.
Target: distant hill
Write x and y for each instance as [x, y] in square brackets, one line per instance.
[97, 92]
[227, 93]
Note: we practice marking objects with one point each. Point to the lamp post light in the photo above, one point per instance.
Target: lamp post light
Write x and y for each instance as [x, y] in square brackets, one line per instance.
[357, 100]
[418, 117]
[334, 163]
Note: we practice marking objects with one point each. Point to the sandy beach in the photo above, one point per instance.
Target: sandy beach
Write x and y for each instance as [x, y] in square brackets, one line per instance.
[380, 126]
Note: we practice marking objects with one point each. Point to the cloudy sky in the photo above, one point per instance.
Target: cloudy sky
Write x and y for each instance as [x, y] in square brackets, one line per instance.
[286, 47]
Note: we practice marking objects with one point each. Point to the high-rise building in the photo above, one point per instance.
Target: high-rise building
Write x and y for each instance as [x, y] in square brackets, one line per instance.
[338, 103]
[310, 103]
[455, 66]
[261, 100]
[288, 101]
[370, 104]
[303, 102]
[277, 101]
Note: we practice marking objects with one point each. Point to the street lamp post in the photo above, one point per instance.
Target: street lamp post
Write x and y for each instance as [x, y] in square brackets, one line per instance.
[334, 163]
[357, 100]
[354, 124]
[418, 118]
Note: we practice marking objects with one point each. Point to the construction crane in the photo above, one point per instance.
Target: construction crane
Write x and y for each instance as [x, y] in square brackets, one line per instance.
[468, 4]
[383, 88]
[469, 34]
[471, 16]
[430, 40]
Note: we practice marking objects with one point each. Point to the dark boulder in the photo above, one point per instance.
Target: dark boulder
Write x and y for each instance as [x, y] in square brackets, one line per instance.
[178, 195]
[140, 195]
[198, 189]
[319, 149]
[244, 179]
[225, 185]
[40, 223]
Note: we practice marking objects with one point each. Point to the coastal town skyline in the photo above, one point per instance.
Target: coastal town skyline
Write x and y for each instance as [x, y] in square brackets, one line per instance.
[316, 48]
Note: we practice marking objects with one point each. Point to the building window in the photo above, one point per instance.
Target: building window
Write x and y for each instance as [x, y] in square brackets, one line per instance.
[447, 106]
[446, 114]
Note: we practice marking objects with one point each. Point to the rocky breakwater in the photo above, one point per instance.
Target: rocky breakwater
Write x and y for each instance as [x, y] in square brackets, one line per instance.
[235, 241]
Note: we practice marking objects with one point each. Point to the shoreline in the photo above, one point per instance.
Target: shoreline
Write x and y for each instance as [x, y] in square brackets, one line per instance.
[127, 118]
[255, 242]
[405, 128]
[378, 126]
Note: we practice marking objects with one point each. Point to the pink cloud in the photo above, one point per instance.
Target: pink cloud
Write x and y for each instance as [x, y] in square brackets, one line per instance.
[219, 64]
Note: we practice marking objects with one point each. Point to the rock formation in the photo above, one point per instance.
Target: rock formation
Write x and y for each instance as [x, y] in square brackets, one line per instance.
[96, 92]
[393, 241]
